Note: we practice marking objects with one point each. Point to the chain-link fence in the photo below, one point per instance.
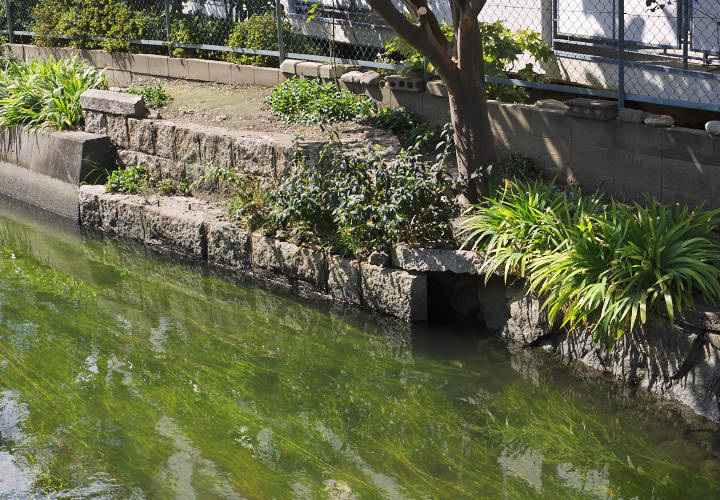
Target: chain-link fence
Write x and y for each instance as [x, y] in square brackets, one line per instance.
[658, 51]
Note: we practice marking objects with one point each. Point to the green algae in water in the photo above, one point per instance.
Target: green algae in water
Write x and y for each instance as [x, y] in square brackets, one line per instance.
[123, 375]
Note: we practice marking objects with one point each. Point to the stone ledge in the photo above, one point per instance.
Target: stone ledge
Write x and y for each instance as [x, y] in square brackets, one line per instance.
[437, 260]
[116, 103]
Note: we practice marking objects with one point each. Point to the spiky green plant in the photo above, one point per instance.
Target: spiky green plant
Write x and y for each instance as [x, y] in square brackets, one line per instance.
[596, 264]
[45, 93]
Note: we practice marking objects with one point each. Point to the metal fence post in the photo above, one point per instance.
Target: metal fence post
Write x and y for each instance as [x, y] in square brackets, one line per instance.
[168, 28]
[278, 19]
[8, 15]
[621, 54]
[686, 32]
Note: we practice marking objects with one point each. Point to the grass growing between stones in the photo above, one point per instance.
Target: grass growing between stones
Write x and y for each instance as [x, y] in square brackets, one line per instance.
[599, 263]
[132, 179]
[46, 93]
[154, 94]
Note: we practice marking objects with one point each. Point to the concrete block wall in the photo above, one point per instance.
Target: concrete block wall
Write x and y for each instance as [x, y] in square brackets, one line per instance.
[676, 165]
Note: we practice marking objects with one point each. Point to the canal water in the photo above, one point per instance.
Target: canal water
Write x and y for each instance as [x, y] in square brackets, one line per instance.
[124, 374]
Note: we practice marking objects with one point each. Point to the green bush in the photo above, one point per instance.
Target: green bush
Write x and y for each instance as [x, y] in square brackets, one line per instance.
[83, 19]
[398, 120]
[46, 93]
[154, 94]
[407, 126]
[599, 264]
[259, 32]
[502, 49]
[129, 180]
[198, 28]
[309, 101]
[360, 203]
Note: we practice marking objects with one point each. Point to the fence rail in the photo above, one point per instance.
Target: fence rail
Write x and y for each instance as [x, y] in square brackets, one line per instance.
[624, 49]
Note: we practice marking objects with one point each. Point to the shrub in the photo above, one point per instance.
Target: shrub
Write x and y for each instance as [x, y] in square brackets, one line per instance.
[502, 49]
[84, 19]
[129, 180]
[599, 264]
[309, 101]
[198, 28]
[407, 126]
[399, 120]
[46, 93]
[363, 203]
[154, 94]
[259, 32]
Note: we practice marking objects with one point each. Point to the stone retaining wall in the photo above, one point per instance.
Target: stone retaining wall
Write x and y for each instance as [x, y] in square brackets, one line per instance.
[680, 363]
[196, 229]
[180, 151]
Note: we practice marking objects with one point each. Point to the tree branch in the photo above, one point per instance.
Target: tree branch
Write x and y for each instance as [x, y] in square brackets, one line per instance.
[425, 34]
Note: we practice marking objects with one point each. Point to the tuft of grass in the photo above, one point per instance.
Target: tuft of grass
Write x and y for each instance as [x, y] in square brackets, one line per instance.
[129, 180]
[595, 263]
[45, 93]
[154, 94]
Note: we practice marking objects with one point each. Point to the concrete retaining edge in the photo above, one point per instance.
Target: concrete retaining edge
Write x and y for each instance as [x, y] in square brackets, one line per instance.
[44, 168]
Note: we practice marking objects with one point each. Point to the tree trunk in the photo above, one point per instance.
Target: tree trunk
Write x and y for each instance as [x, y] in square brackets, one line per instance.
[474, 143]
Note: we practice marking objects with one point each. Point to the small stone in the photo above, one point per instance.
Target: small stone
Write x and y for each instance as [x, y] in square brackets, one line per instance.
[379, 259]
[370, 78]
[659, 120]
[228, 245]
[714, 340]
[263, 254]
[344, 279]
[713, 127]
[330, 72]
[303, 263]
[351, 77]
[402, 294]
[629, 115]
[222, 118]
[95, 123]
[177, 227]
[552, 104]
[594, 109]
[309, 69]
[437, 260]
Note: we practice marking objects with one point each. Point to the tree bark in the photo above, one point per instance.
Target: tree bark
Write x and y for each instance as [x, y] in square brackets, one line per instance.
[474, 145]
[461, 66]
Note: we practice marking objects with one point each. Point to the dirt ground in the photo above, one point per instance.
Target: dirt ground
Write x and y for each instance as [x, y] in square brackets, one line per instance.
[242, 107]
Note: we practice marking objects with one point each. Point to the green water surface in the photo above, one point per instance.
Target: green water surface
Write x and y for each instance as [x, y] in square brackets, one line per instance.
[124, 374]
